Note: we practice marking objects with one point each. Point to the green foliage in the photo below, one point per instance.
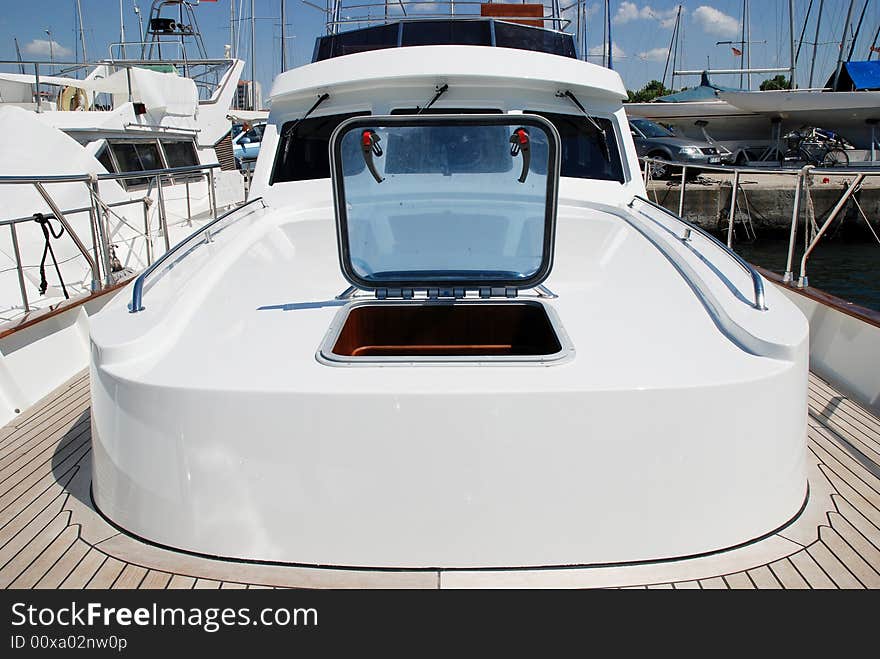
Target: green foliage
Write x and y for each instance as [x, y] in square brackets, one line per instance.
[647, 93]
[776, 82]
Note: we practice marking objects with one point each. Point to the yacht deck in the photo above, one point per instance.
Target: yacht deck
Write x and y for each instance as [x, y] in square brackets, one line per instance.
[51, 536]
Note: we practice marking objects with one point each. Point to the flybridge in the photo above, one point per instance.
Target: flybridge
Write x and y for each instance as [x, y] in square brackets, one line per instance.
[471, 31]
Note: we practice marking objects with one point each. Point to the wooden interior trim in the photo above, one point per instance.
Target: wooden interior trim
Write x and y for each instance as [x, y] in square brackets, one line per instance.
[864, 314]
[32, 318]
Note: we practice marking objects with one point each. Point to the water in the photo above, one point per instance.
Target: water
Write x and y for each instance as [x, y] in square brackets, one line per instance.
[845, 268]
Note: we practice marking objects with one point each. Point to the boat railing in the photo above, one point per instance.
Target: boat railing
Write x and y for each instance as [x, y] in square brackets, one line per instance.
[96, 248]
[203, 235]
[757, 282]
[855, 177]
[341, 14]
[207, 74]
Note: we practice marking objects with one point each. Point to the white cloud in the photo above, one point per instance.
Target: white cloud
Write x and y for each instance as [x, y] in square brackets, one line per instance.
[629, 11]
[595, 52]
[46, 48]
[654, 55]
[716, 22]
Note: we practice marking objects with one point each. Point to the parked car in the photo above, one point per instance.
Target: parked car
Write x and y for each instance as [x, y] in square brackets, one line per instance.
[655, 141]
[246, 145]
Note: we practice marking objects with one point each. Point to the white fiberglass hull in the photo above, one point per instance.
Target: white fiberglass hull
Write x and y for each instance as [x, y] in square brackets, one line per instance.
[844, 112]
[725, 122]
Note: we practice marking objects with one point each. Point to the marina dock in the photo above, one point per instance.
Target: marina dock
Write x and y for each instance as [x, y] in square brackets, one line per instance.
[767, 199]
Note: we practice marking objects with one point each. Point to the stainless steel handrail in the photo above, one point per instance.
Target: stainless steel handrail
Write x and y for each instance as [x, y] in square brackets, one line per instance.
[757, 282]
[790, 171]
[112, 176]
[137, 293]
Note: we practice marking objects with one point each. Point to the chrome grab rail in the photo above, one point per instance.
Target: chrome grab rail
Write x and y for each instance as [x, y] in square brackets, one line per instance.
[757, 282]
[137, 293]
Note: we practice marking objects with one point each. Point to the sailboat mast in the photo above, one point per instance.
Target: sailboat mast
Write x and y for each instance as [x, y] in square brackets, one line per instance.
[605, 35]
[870, 50]
[749, 43]
[232, 43]
[858, 29]
[610, 64]
[121, 30]
[815, 43]
[283, 37]
[792, 82]
[842, 44]
[18, 54]
[671, 46]
[82, 36]
[253, 57]
[742, 40]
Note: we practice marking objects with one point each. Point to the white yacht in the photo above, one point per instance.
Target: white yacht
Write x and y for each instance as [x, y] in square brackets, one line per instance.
[151, 106]
[449, 336]
[425, 340]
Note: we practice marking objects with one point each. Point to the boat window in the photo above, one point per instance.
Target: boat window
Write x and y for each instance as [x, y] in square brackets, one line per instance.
[524, 37]
[582, 155]
[308, 157]
[180, 153]
[462, 33]
[136, 157]
[105, 159]
[458, 201]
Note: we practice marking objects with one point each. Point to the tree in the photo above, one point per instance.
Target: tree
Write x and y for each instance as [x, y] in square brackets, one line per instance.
[776, 82]
[647, 93]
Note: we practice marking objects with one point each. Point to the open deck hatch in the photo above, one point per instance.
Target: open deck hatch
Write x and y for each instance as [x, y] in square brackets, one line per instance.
[439, 216]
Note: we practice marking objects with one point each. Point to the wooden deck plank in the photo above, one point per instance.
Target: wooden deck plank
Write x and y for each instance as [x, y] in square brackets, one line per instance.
[18, 459]
[206, 584]
[229, 585]
[858, 531]
[810, 570]
[846, 425]
[851, 496]
[831, 564]
[30, 545]
[39, 469]
[180, 582]
[849, 470]
[29, 502]
[48, 428]
[715, 583]
[85, 569]
[46, 559]
[738, 580]
[130, 577]
[106, 574]
[845, 404]
[787, 575]
[64, 566]
[867, 576]
[155, 580]
[762, 576]
[46, 406]
[23, 529]
[686, 585]
[40, 455]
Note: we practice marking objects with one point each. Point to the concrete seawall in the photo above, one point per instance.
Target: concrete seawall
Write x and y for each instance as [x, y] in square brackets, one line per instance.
[768, 200]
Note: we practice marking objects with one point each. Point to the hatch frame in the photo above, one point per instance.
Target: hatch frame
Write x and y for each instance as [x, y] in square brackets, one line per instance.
[454, 288]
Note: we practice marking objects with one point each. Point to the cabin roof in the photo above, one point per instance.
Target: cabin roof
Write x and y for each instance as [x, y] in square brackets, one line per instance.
[449, 62]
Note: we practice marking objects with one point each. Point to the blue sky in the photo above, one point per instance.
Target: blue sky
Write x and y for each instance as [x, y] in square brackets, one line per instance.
[641, 32]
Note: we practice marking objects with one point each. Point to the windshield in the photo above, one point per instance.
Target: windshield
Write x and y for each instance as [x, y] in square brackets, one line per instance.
[434, 200]
[650, 129]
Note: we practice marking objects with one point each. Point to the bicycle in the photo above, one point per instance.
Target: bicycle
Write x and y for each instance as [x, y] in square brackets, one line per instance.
[818, 147]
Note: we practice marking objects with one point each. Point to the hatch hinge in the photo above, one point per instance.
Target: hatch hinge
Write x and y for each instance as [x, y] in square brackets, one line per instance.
[500, 291]
[402, 293]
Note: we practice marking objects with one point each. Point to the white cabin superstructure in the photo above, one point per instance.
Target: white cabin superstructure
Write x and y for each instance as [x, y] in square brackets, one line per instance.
[267, 450]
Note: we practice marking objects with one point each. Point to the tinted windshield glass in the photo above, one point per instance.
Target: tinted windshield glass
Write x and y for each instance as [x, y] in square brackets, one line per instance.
[582, 152]
[650, 129]
[433, 201]
[307, 157]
